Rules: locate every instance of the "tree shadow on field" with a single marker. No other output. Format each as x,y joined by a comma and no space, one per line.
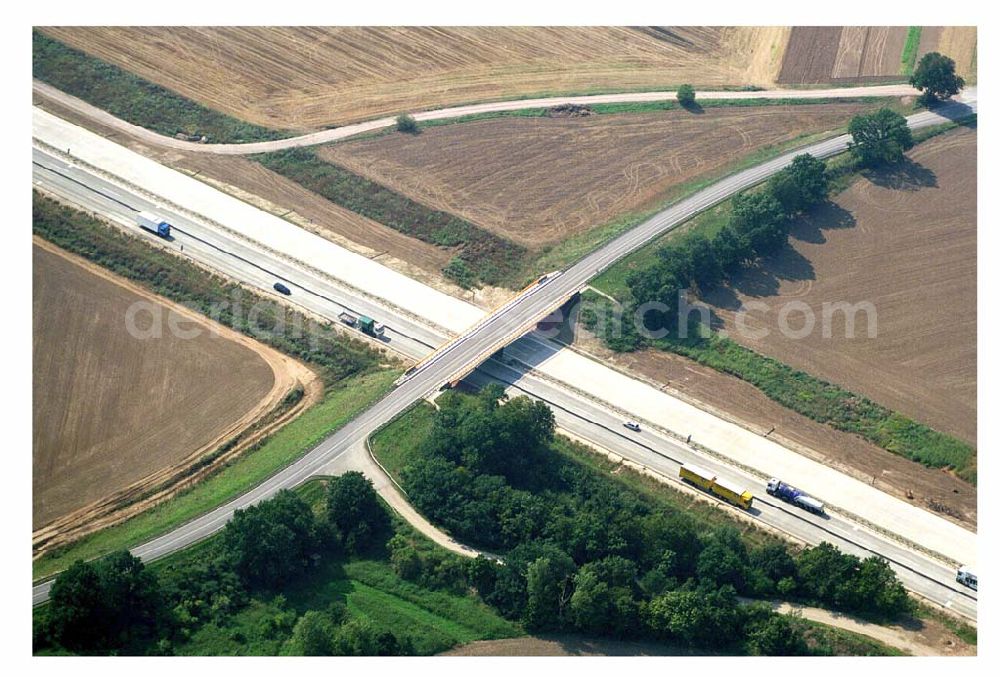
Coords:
907,175
762,280
827,216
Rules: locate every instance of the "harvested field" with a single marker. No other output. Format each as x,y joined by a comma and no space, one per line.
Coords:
860,54
958,42
905,241
734,399
538,181
310,78
110,410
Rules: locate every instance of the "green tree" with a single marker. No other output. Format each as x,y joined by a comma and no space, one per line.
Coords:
732,249
800,185
776,635
705,619
769,565
724,560
685,95
407,124
875,589
879,138
359,637
603,601
761,220
935,77
313,635
548,582
271,542
354,511
406,561
98,606
824,569
703,263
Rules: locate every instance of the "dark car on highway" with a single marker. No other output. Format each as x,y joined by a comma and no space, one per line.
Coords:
278,287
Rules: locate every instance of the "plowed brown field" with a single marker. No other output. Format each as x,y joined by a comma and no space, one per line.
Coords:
538,181
905,241
830,54
110,410
309,78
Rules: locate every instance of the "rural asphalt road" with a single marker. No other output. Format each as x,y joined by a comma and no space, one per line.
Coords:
920,573
347,131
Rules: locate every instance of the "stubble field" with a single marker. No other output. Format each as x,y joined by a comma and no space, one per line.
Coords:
859,54
539,181
310,78
110,410
904,241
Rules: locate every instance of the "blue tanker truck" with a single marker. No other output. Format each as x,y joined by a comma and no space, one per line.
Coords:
786,492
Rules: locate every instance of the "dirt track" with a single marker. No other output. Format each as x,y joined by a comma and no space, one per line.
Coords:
112,411
538,181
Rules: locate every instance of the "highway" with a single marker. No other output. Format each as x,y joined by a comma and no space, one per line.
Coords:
324,297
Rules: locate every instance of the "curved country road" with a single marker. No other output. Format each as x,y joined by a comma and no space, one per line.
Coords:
338,133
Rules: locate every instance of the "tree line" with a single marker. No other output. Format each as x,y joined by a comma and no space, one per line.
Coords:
581,553
118,605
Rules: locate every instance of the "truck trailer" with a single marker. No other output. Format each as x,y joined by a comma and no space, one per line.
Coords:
725,490
153,224
786,492
366,324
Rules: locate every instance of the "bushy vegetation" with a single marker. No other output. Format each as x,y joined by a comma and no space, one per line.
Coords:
582,552
756,225
407,124
482,256
935,76
134,99
335,356
685,96
279,579
879,138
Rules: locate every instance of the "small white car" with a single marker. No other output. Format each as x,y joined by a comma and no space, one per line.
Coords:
632,425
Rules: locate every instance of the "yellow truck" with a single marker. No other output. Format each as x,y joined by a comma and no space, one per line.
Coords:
708,481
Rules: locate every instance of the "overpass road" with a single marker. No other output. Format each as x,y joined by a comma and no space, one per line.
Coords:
323,297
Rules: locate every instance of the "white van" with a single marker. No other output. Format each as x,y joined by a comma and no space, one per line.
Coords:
967,578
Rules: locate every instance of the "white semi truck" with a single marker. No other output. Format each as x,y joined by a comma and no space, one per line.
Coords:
154,224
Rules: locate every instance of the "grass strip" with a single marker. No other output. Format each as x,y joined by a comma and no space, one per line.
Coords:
908,57
135,100
828,403
492,258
